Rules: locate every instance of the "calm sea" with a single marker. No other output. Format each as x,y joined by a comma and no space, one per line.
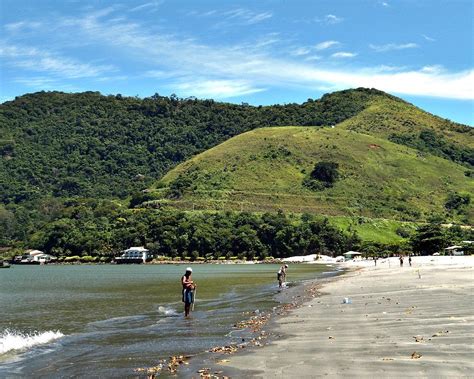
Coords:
107,320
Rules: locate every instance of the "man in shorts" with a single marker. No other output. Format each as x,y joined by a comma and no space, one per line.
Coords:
188,290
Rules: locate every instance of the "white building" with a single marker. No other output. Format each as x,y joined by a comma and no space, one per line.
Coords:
136,254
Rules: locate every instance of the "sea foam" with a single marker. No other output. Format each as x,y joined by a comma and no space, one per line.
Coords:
167,311
13,340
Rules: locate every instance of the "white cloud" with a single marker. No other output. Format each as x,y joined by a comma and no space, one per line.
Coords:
242,16
389,68
219,89
326,44
343,54
434,69
384,4
247,15
33,59
301,51
22,25
313,58
393,46
197,69
247,70
150,6
332,19
35,81
428,38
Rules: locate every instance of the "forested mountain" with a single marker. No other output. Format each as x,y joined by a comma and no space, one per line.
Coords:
69,162
61,145
87,144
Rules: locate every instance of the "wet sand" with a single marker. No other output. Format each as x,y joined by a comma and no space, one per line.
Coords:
396,324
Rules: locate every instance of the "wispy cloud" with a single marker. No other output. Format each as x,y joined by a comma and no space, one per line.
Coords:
393,46
150,6
384,4
313,58
344,54
247,70
326,45
428,38
192,67
219,89
46,83
33,59
247,15
35,81
22,25
330,19
242,16
301,51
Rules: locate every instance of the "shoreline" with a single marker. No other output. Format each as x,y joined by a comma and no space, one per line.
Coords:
398,321
259,328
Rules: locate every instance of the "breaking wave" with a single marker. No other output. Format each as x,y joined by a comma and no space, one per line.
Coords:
12,340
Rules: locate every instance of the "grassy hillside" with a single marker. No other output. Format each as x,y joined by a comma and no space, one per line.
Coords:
263,170
406,124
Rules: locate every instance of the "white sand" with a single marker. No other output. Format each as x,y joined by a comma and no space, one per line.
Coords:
373,335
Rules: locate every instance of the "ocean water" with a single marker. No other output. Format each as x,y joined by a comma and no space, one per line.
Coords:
107,320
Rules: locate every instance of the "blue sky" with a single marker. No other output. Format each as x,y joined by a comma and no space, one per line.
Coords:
260,52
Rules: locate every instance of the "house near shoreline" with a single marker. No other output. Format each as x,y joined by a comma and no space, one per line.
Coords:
136,254
454,250
352,255
34,257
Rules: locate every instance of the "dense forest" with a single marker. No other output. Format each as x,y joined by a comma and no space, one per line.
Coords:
93,231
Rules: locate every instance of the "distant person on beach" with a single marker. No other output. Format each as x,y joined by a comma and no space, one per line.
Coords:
401,261
375,260
409,260
281,275
188,290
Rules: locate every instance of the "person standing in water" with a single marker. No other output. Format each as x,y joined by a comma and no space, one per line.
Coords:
281,275
188,290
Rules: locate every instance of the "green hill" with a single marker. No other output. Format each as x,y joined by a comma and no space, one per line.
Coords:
264,170
61,151
86,144
54,144
408,125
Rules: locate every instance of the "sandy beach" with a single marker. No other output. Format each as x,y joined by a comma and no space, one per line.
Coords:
383,321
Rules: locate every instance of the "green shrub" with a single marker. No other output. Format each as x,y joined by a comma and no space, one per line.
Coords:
88,259
74,258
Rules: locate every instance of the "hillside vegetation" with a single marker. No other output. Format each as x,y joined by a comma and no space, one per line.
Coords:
82,159
404,124
86,144
264,170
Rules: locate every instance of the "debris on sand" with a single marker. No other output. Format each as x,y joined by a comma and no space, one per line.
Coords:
255,323
225,349
172,366
416,355
205,373
440,333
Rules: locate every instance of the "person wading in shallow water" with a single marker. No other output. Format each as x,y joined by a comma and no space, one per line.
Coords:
281,275
188,290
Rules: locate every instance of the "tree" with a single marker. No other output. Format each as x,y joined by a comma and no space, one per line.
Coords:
456,201
429,239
